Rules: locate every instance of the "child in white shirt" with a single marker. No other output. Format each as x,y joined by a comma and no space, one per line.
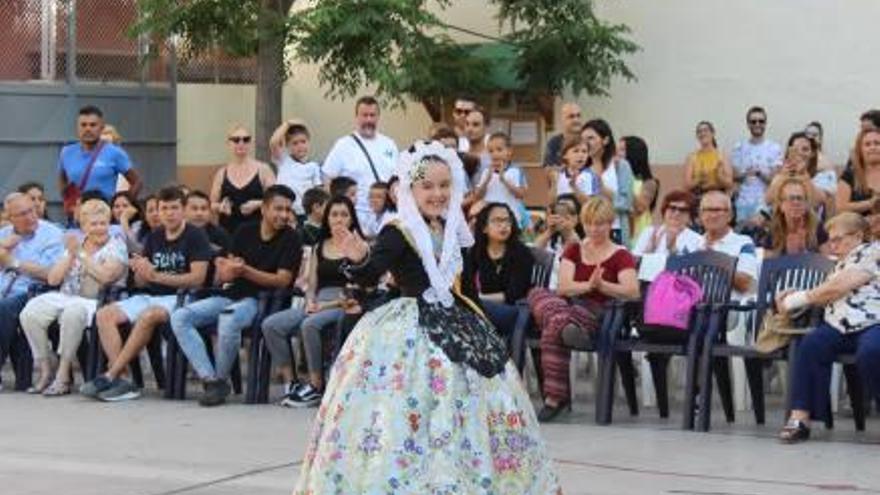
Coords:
380,210
289,149
574,177
503,182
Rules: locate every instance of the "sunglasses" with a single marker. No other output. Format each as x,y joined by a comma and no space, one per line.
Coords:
757,121
461,111
240,139
678,209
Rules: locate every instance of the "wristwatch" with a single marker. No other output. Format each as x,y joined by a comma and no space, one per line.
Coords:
15,264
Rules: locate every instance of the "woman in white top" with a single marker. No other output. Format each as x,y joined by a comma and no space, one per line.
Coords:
574,177
672,236
289,150
850,297
88,264
616,175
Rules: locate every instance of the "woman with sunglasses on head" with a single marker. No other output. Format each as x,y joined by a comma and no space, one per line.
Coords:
672,236
237,190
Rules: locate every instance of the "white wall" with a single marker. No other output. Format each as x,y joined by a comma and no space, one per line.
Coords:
802,60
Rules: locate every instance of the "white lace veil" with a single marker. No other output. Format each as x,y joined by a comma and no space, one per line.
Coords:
410,168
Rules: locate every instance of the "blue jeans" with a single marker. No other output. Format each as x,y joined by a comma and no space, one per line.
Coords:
12,342
503,316
816,354
231,316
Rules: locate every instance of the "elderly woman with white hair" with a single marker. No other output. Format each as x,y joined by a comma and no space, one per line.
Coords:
89,263
851,299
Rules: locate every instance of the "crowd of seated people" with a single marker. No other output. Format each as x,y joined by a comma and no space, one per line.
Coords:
254,232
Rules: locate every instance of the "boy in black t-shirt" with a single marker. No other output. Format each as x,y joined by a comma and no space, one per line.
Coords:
264,255
313,201
175,256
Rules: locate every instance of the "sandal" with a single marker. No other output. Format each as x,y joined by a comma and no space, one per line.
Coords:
39,388
795,431
57,389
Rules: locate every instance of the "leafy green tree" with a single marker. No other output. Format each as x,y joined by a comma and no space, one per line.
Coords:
400,47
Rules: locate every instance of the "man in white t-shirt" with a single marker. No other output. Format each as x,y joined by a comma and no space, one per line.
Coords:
755,161
715,215
463,106
366,156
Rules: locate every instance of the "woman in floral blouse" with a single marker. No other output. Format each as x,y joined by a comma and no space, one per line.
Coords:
851,299
88,264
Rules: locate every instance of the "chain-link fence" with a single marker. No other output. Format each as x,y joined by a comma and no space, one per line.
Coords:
214,67
84,40
89,40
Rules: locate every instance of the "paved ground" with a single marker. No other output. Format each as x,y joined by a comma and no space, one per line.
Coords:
73,446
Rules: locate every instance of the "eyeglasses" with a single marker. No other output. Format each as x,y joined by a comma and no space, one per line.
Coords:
714,210
500,222
757,121
240,139
461,111
795,198
678,209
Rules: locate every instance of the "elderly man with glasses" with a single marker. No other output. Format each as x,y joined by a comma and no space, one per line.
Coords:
28,249
715,215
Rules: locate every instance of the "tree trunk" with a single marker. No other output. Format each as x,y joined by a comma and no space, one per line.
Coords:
270,75
433,108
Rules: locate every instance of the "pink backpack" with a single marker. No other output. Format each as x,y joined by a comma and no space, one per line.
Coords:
670,299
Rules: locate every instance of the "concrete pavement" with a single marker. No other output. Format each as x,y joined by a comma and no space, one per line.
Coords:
151,446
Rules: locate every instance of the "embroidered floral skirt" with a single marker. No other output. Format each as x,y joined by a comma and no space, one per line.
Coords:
399,417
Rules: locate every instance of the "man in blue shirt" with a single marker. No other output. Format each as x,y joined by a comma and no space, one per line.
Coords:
112,161
28,249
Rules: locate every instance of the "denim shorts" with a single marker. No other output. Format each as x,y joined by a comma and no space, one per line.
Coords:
137,304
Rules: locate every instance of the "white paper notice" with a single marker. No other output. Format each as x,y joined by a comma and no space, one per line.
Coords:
524,133
651,266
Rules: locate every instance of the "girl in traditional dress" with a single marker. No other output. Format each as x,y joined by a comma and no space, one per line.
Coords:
422,398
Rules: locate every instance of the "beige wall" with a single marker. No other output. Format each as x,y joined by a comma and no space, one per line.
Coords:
701,59
803,60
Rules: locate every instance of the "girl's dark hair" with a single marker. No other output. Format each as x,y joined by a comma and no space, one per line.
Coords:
481,239
601,127
133,202
637,156
142,207
391,202
325,221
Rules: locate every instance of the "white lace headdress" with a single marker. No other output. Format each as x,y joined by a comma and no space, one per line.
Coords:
411,168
